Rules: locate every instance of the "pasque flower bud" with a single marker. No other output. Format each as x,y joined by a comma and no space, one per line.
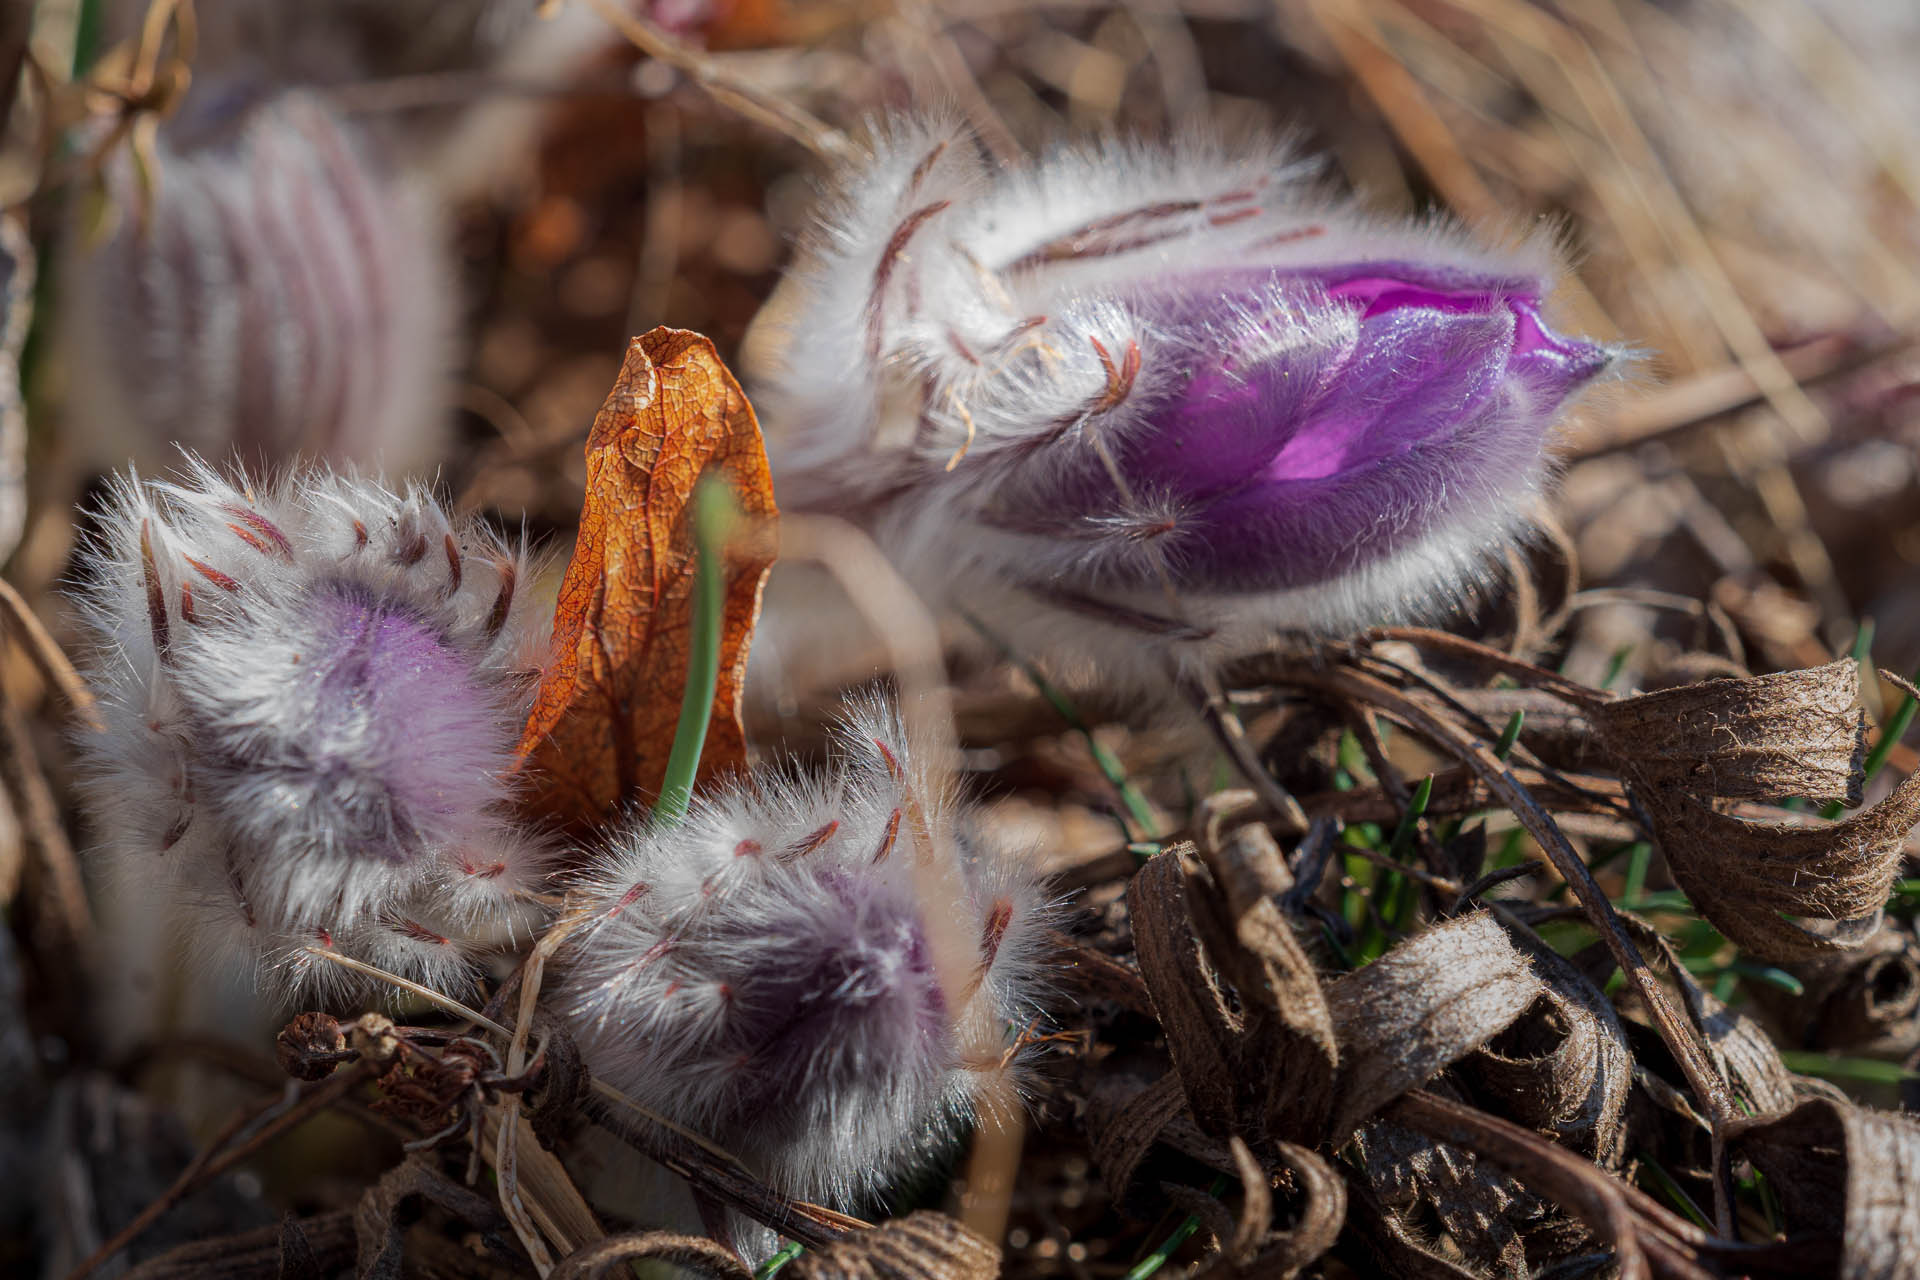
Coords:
822,975
273,293
311,694
1136,391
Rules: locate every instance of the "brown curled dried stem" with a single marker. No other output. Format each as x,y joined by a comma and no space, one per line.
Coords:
615,1254
1687,1051
1647,1238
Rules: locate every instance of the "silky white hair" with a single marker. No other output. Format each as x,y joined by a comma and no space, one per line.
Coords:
827,975
955,333
311,690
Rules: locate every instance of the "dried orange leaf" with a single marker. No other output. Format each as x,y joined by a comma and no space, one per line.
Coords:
603,721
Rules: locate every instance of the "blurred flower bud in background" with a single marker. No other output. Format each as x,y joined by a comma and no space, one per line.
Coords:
1131,401
273,293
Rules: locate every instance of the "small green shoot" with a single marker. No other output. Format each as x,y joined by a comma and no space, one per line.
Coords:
1809,1062
1152,1263
1639,857
1509,735
777,1261
1674,1191
1403,834
1616,664
713,513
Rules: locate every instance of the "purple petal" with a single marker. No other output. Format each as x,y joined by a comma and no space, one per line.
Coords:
1300,448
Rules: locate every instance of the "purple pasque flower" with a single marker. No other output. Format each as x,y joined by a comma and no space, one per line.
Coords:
1058,392
311,693
823,975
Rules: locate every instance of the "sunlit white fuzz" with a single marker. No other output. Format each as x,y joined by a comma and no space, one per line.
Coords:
826,976
270,290
312,691
1135,392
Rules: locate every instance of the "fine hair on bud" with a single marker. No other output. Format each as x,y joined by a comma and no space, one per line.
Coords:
269,289
1140,403
827,975
312,689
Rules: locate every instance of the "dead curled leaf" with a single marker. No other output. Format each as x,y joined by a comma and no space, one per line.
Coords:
619,1256
1564,1066
1866,1000
604,717
1850,1176
1249,1246
1421,1007
1742,1053
1791,733
1296,1061
379,1220
921,1246
1480,1207
1782,890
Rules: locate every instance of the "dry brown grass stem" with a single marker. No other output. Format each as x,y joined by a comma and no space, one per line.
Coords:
754,103
261,1124
48,657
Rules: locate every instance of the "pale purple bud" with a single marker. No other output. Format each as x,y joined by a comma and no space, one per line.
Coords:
1058,390
312,693
275,294
768,972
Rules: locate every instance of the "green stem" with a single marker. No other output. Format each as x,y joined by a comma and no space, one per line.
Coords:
1181,1234
777,1261
712,514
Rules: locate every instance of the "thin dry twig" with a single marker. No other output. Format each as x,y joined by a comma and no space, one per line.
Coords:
266,1124
754,103
39,815
48,657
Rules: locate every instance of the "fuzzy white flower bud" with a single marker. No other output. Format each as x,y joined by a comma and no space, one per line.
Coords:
1143,403
824,976
312,692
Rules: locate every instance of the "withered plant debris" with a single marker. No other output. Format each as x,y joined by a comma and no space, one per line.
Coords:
1533,957
920,1244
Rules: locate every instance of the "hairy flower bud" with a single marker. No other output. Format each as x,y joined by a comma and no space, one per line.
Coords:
824,976
273,294
1168,392
311,696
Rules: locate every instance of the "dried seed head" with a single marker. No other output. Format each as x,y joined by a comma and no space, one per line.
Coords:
273,292
313,752
770,972
1058,390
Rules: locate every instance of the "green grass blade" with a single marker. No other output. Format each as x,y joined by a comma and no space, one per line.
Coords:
712,514
1109,765
1509,735
1809,1062
1181,1234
